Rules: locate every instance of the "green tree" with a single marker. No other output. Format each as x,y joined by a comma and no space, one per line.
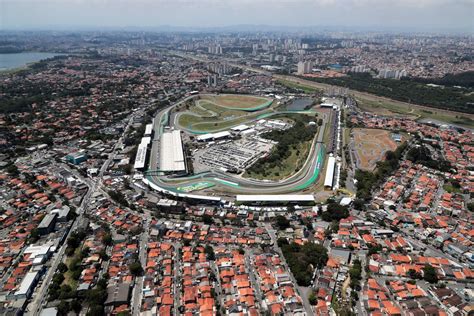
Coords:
63,308
135,268
282,222
335,212
76,306
413,274
62,267
207,219
210,255
429,274
312,298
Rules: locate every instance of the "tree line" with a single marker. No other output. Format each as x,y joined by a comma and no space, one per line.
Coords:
367,180
447,98
287,139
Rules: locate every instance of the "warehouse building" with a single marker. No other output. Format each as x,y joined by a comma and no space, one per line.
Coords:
47,224
329,179
27,285
171,153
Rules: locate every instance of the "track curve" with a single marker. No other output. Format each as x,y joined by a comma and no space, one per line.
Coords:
299,181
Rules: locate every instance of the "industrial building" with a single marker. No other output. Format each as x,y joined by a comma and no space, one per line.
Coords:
47,224
38,254
171,152
63,214
27,285
329,179
118,294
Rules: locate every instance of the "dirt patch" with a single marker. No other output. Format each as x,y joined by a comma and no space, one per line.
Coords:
370,146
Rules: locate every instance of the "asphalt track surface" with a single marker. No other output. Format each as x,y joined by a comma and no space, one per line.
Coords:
299,181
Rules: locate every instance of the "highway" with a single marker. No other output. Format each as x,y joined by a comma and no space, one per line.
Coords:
301,180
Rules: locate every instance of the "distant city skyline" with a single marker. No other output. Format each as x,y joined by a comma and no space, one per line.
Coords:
404,15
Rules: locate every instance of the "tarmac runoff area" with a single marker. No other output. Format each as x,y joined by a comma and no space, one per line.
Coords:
299,181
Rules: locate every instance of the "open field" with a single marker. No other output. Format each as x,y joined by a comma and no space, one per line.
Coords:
238,102
370,146
386,106
294,85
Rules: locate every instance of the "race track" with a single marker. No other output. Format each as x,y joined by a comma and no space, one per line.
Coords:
234,184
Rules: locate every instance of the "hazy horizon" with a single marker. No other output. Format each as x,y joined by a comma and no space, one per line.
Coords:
404,15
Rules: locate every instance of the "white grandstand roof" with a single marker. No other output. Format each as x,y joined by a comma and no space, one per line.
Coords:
328,181
214,135
240,128
272,197
141,156
171,153
248,131
146,140
148,129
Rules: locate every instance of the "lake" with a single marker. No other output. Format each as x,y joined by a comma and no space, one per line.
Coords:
300,104
16,60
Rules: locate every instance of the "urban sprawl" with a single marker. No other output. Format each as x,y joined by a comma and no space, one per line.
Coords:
148,173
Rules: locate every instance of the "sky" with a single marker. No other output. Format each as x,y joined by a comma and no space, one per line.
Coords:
416,15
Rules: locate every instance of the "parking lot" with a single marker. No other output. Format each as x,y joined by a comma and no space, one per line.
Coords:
232,156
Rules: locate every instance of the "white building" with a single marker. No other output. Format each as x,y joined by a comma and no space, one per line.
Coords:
171,152
329,179
304,67
148,129
27,285
140,157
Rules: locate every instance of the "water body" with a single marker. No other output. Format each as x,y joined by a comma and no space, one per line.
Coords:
300,104
16,60
335,66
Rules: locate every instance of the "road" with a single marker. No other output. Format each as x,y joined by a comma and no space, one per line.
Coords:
253,279
301,291
177,279
36,305
40,298
138,288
